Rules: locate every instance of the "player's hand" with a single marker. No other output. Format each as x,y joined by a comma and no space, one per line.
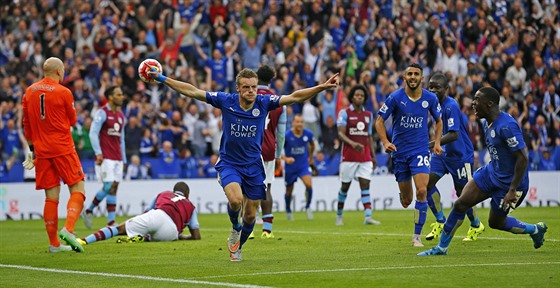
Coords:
290,160
358,147
374,162
510,200
98,159
389,147
29,162
437,149
331,83
156,75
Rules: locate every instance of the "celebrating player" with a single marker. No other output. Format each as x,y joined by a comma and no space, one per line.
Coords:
457,159
240,169
409,149
505,179
298,155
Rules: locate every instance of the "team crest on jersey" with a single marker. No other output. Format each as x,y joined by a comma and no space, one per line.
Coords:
360,125
120,120
450,122
305,138
424,104
366,119
492,133
117,127
512,142
256,112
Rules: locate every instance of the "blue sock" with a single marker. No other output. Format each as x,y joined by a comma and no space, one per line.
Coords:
308,197
288,200
102,234
420,213
111,209
454,221
267,222
473,217
517,227
366,201
234,218
434,202
341,199
246,231
101,194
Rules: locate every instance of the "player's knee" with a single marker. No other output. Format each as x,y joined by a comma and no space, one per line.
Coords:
499,225
460,206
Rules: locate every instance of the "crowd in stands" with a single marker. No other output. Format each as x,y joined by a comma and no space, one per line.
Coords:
511,45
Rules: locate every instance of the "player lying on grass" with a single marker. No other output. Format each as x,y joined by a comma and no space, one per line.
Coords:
164,221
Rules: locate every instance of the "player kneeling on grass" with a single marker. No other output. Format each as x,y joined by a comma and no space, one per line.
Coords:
164,221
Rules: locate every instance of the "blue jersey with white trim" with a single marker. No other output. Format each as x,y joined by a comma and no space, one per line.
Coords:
242,130
410,120
298,147
503,137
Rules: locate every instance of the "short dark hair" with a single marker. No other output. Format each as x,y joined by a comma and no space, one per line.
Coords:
110,91
440,76
416,65
181,187
245,73
265,74
491,93
354,89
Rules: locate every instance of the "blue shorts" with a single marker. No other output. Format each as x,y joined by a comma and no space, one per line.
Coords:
460,170
292,175
497,191
250,178
404,167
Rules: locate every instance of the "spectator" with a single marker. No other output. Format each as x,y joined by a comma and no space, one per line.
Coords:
169,162
137,170
133,137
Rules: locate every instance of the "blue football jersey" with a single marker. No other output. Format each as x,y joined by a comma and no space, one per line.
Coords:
503,137
410,120
298,147
242,130
454,120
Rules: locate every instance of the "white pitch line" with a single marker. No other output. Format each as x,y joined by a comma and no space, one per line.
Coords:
140,277
377,269
520,238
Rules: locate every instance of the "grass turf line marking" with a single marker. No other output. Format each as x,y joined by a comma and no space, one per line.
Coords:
139,277
391,234
377,269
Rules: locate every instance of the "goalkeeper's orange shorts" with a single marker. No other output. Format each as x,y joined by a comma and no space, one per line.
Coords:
49,171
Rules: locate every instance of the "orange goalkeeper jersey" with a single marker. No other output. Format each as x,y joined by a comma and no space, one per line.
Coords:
48,114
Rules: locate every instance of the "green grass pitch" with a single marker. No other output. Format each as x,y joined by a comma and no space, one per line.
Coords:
304,254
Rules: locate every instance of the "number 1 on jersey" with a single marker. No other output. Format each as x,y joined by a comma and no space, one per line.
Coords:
42,99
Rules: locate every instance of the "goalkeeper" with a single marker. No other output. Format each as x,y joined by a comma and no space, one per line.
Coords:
48,113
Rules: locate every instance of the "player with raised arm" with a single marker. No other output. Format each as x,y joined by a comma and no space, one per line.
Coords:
505,179
107,139
273,141
166,218
298,155
457,158
410,107
240,168
355,129
48,114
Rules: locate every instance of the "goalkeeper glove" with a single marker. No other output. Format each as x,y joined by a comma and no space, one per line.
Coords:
29,163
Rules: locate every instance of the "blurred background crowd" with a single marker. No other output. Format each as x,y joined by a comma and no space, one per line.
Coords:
508,44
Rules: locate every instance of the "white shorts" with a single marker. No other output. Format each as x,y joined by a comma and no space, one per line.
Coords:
353,170
155,224
111,170
269,171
